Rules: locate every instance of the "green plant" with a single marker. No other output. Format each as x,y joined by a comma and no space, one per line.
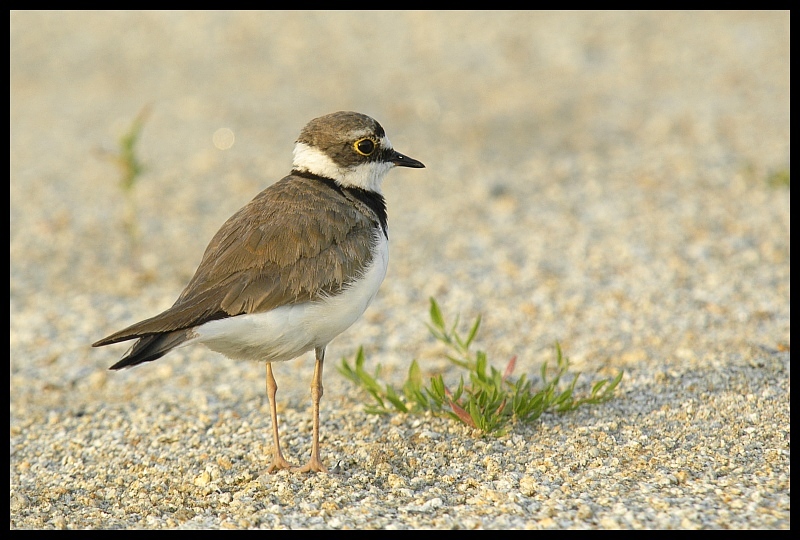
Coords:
130,167
488,400
779,178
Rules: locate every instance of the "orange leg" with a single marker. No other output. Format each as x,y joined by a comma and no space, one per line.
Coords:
314,464
278,461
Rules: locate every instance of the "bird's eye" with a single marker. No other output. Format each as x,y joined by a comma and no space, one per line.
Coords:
364,146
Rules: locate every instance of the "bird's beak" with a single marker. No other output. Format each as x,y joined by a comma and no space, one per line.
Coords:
404,161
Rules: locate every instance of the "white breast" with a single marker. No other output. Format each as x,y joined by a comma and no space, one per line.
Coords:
289,331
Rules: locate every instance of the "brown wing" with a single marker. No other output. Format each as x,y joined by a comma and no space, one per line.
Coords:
296,241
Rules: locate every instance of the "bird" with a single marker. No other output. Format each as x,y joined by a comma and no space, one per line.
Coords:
292,269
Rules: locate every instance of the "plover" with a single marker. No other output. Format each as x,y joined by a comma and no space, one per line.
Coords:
291,270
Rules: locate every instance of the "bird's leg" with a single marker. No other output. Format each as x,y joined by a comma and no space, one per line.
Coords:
314,464
278,461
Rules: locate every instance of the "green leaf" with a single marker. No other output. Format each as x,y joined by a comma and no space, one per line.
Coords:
436,315
395,400
473,332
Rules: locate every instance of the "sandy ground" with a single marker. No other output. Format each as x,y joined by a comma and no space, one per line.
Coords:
610,181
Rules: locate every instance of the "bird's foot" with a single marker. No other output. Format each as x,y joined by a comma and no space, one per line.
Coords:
313,465
278,464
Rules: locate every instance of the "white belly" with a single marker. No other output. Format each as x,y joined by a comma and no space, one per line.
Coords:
289,331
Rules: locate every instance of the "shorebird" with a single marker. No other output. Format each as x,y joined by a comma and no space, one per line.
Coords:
292,269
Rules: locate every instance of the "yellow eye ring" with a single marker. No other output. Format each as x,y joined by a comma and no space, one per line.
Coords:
365,147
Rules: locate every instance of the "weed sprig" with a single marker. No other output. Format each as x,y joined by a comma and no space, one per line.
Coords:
488,400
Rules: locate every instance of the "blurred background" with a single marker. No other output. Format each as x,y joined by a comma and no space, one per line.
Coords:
614,181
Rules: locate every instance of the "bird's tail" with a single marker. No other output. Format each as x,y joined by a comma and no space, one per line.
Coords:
152,347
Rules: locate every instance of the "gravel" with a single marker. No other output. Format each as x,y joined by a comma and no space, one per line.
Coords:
604,180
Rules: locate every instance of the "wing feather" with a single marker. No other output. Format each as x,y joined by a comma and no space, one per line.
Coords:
297,241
